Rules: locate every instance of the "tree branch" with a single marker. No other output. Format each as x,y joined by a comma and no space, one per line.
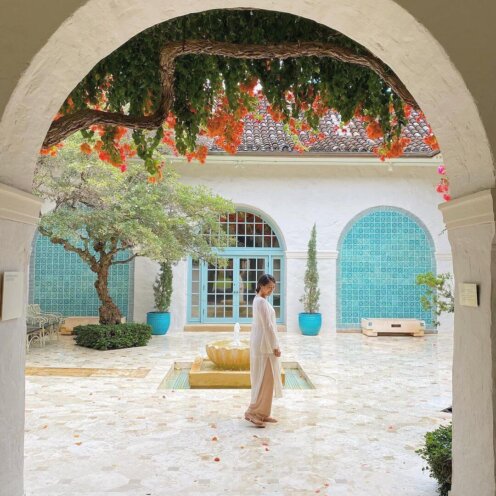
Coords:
289,50
83,119
125,261
85,255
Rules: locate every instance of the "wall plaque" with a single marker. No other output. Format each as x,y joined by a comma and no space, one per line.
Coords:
12,295
468,295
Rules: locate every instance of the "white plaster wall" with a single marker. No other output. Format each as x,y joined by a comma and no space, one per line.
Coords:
145,272
295,196
15,245
472,235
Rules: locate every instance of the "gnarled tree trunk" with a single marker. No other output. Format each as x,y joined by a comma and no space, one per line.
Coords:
109,312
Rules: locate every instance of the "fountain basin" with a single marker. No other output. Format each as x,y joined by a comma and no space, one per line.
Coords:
204,374
226,355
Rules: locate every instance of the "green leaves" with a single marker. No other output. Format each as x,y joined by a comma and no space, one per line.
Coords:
162,289
438,294
98,205
112,337
129,79
164,221
437,452
311,296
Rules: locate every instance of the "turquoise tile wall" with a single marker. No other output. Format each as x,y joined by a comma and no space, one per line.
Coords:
379,257
60,282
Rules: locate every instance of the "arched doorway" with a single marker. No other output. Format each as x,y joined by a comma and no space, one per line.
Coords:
421,55
381,251
223,293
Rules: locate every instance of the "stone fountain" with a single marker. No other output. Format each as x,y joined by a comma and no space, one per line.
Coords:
230,354
227,366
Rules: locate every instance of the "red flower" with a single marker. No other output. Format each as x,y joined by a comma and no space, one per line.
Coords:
105,156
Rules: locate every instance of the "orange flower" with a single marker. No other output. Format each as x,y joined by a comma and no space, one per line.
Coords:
276,115
374,130
105,156
407,109
86,148
120,133
171,120
249,87
431,141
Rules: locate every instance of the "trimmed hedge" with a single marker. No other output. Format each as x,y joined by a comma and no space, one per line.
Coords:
112,337
437,454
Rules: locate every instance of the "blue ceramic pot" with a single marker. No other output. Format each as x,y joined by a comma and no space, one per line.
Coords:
310,323
160,322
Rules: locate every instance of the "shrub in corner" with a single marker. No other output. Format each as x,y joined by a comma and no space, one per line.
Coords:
112,336
437,454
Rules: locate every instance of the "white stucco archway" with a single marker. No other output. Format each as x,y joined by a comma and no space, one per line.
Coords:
424,67
390,32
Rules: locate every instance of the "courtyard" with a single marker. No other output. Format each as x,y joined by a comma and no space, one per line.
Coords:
360,130
118,432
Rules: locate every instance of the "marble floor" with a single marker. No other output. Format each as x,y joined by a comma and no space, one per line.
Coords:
107,434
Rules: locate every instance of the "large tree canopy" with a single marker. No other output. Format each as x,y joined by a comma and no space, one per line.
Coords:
202,74
100,212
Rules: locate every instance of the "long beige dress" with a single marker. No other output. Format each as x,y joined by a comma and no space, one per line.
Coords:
265,368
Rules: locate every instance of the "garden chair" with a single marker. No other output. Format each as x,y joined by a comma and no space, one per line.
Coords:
49,322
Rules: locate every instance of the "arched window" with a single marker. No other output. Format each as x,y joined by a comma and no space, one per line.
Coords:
224,292
380,254
59,281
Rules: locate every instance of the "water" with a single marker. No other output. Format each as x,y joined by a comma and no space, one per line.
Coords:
178,377
237,328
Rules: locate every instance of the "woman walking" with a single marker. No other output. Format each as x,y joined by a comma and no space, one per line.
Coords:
265,369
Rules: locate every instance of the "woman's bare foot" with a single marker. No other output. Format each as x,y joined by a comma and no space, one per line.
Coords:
254,421
270,419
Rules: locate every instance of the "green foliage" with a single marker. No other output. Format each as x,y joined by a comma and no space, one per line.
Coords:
112,337
98,205
162,289
130,76
437,454
438,294
100,211
310,298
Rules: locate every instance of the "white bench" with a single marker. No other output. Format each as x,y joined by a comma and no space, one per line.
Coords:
374,326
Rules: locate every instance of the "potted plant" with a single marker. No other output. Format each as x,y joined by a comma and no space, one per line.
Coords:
162,290
310,320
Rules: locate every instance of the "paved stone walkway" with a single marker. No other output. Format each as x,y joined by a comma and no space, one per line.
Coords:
354,435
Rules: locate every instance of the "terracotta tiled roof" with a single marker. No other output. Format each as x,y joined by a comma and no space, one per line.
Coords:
268,136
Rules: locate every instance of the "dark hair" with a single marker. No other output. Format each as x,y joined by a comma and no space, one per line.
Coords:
264,280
